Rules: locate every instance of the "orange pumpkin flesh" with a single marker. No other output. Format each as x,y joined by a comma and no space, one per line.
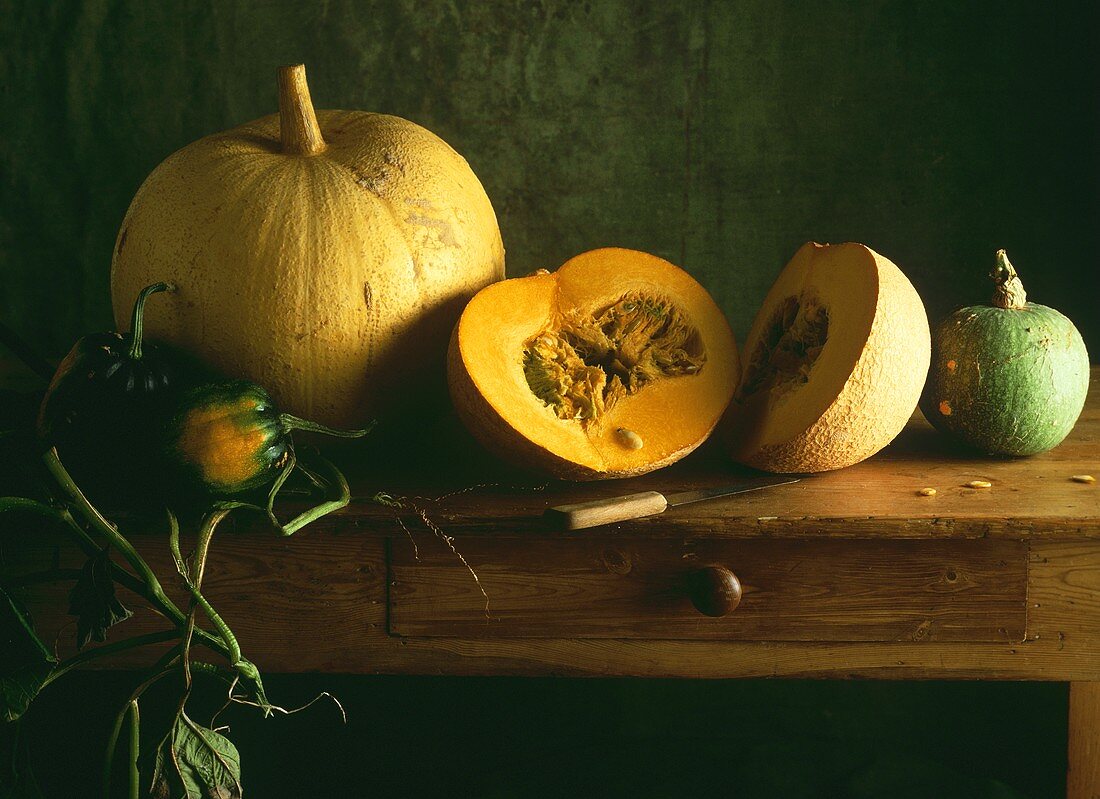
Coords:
617,364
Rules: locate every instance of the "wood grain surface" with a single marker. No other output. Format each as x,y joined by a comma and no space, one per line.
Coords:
319,601
1083,777
831,590
1031,497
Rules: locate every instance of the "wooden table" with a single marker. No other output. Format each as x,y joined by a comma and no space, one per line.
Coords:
848,574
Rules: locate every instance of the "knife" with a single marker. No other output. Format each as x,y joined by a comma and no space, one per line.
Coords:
649,503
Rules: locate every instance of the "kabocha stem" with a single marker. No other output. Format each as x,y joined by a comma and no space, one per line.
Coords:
291,422
298,129
1009,293
137,320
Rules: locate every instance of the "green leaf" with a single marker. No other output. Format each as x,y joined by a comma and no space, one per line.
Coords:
194,762
25,662
93,601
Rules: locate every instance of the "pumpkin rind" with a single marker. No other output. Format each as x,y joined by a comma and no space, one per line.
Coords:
648,428
1006,381
866,381
332,279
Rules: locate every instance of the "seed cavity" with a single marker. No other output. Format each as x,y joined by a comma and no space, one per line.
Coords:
790,345
628,438
585,365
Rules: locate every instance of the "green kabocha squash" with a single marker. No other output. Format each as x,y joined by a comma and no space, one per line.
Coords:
229,438
1009,378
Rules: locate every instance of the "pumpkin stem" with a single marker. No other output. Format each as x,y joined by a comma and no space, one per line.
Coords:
298,129
137,321
1010,292
290,422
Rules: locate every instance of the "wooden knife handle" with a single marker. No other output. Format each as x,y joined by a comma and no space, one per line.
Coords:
605,511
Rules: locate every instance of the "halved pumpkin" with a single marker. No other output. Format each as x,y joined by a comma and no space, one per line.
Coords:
617,364
834,362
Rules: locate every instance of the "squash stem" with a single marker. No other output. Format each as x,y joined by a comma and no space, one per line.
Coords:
87,655
1009,293
135,751
298,129
327,473
146,584
290,422
112,739
137,320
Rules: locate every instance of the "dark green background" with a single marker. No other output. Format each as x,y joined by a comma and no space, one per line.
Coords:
720,135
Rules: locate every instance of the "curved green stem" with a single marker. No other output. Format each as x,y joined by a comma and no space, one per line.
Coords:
209,525
291,422
147,586
135,750
109,649
137,319
116,730
328,475
102,526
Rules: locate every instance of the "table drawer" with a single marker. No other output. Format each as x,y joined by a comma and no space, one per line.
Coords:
791,590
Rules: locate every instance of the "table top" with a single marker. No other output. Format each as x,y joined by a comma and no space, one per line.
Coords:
442,474
1033,496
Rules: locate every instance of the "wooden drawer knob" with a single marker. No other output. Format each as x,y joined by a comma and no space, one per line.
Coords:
714,591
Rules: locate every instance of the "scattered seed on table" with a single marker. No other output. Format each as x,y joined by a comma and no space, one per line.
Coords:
927,492
1083,478
979,484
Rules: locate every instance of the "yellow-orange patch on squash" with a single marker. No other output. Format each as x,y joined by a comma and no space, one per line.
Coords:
213,436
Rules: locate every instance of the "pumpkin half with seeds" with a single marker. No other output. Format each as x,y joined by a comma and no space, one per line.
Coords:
616,364
834,362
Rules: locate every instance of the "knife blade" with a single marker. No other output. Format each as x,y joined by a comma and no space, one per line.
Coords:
581,515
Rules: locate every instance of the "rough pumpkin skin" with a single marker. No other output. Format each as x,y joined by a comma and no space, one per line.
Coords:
861,387
331,276
1006,380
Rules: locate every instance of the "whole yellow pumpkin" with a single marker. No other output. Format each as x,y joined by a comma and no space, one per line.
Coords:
325,255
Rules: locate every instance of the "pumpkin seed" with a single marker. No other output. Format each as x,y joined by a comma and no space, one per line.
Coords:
979,484
629,438
1083,478
927,492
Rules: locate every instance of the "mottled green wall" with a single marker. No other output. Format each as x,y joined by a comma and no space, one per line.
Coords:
718,134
